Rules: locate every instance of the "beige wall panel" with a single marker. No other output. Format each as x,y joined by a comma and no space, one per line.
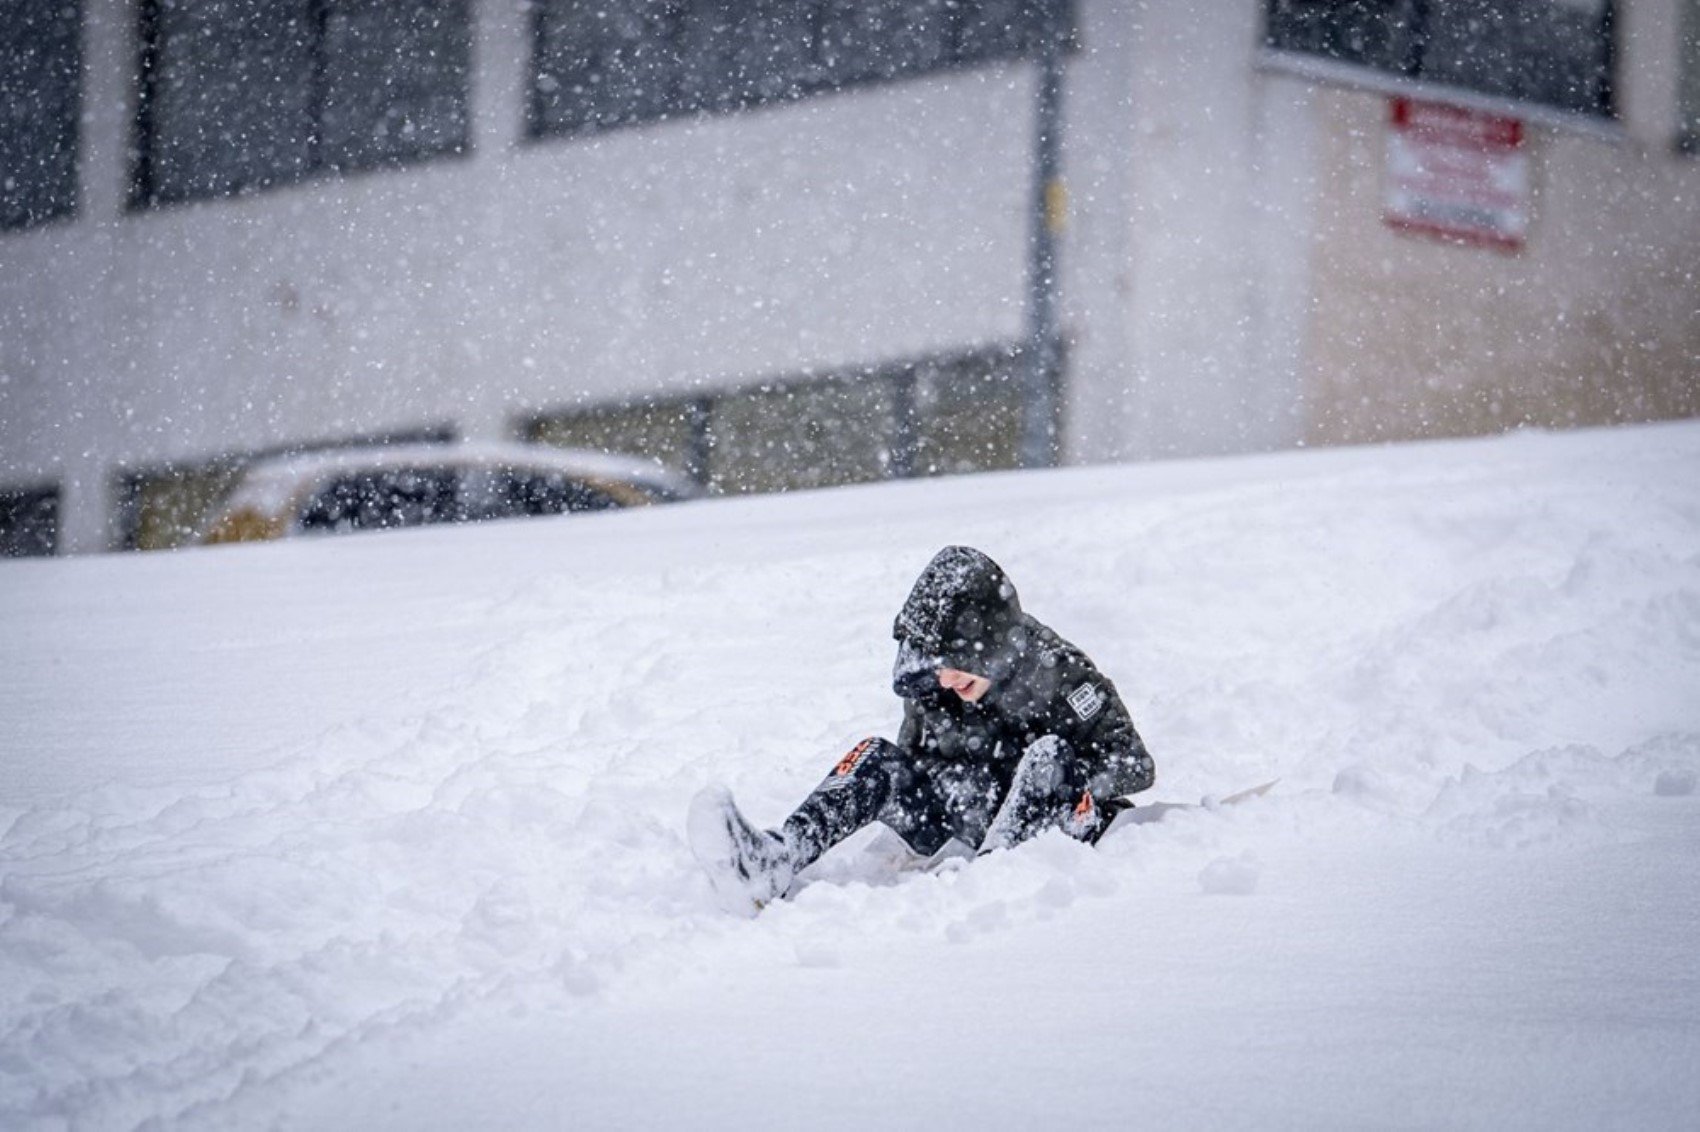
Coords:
1595,321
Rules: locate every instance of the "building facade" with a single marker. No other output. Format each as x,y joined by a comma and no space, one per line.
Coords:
791,244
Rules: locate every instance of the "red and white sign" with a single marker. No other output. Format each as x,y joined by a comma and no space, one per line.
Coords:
1458,174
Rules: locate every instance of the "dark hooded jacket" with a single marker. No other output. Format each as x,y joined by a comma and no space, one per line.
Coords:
963,613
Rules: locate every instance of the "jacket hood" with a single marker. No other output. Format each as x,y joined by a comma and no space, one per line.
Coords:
962,613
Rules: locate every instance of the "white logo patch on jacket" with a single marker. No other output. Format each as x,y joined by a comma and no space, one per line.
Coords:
1087,701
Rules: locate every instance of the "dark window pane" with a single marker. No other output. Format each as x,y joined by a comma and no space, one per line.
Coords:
812,434
395,81
1003,29
602,64
230,97
660,430
241,94
40,98
1554,52
711,36
777,58
877,39
744,52
1376,33
29,523
969,414
403,497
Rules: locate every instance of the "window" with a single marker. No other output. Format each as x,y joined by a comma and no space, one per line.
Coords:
671,432
246,94
600,65
29,523
968,414
40,100
936,416
165,507
1556,53
520,492
804,434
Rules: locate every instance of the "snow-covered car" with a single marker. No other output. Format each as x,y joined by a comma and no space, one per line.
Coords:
377,488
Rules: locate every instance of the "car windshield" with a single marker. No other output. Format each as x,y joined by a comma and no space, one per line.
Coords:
383,498
520,492
375,500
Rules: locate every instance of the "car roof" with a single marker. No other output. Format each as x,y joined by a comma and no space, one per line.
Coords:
273,479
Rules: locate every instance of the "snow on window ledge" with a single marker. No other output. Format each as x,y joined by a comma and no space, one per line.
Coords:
1360,77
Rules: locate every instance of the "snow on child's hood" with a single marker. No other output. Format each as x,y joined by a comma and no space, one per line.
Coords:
959,614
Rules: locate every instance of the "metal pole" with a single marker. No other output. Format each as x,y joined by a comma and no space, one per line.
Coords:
699,440
905,438
1039,385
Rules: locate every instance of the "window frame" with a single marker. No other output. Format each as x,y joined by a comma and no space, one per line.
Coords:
1607,125
1688,79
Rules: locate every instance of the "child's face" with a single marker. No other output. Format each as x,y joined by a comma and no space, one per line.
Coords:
965,684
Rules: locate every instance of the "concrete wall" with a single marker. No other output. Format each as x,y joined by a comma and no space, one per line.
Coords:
881,223
1186,263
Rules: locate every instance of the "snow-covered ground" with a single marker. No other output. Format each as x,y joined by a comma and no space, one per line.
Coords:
386,831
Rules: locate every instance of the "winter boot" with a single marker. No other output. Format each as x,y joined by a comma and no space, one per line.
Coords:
748,867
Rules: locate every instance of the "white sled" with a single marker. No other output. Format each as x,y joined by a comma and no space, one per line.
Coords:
1146,813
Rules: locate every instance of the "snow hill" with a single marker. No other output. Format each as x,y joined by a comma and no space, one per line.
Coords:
386,831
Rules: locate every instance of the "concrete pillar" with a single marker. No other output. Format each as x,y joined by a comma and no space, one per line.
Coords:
86,510
110,62
501,60
501,57
87,519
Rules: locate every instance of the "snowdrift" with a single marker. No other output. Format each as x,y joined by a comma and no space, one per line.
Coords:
387,830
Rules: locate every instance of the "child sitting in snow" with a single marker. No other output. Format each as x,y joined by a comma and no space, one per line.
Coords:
1008,730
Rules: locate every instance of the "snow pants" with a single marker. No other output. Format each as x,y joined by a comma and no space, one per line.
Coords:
985,805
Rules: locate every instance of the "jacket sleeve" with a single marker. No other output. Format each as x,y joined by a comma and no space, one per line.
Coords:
1090,716
1121,764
